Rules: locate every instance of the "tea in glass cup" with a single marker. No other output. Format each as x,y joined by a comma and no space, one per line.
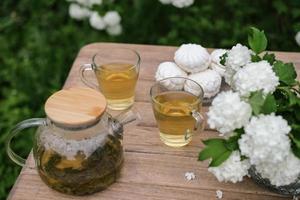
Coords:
176,111
117,73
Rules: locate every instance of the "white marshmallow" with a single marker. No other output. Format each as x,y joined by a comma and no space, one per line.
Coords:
192,58
209,80
167,70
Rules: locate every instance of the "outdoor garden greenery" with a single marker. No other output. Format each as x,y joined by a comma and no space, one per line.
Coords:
39,41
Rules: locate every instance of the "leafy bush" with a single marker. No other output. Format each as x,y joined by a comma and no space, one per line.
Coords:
39,41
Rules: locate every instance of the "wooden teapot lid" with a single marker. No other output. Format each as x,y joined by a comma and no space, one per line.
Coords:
75,106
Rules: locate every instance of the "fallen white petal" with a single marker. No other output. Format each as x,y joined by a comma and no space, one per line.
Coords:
219,194
190,176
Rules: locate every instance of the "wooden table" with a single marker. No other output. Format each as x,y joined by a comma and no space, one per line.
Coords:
152,170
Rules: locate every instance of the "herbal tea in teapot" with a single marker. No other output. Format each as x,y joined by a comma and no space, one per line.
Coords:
78,166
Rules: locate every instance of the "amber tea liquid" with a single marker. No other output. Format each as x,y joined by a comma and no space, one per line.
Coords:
172,111
117,82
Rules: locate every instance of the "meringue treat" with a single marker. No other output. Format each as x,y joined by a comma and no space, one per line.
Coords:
117,82
192,58
210,81
167,70
177,113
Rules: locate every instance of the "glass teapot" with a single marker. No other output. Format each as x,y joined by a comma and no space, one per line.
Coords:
78,147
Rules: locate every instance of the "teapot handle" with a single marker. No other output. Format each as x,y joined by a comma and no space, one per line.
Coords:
15,131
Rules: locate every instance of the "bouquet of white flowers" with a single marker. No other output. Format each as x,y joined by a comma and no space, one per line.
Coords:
258,119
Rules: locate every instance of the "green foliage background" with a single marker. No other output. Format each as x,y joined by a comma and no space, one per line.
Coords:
39,41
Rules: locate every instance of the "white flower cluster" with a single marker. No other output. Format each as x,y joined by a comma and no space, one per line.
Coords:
192,61
245,76
265,139
297,38
178,3
87,3
228,112
281,173
237,57
110,21
266,144
78,12
255,76
82,9
233,169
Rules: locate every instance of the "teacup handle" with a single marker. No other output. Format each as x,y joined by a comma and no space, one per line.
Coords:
83,69
15,131
199,124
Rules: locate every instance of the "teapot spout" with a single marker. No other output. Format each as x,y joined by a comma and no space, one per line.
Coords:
128,116
122,119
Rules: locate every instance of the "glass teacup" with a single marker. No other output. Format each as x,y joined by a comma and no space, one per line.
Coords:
176,110
116,77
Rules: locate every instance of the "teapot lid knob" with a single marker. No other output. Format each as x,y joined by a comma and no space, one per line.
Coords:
77,106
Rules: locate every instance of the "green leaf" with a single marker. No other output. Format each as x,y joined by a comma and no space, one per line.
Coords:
223,58
256,100
257,40
296,127
295,141
269,105
213,141
239,131
270,57
261,104
286,72
290,95
214,147
296,150
218,161
216,150
232,142
297,112
255,58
